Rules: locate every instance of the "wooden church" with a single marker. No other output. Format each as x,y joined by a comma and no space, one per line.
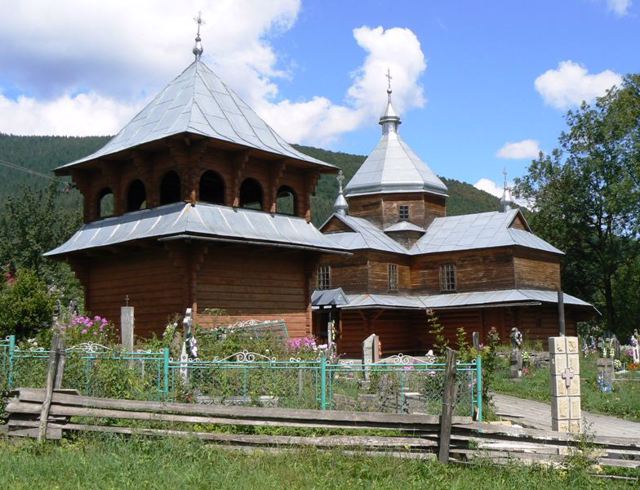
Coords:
197,203
474,271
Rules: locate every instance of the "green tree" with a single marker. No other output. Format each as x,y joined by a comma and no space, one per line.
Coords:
32,222
26,305
586,197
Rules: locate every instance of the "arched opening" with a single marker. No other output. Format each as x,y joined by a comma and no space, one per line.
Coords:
286,201
251,194
211,188
105,203
170,188
136,196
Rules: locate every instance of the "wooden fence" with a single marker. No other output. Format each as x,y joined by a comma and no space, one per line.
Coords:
413,436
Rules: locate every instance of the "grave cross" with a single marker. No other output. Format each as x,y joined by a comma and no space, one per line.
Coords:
567,375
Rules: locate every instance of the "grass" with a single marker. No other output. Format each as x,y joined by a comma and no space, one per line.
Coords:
623,402
113,462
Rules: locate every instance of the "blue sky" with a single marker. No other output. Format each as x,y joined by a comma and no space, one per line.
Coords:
469,77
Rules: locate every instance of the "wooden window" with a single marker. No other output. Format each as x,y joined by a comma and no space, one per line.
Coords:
105,204
211,188
324,277
393,277
136,196
286,201
251,194
404,212
170,188
447,277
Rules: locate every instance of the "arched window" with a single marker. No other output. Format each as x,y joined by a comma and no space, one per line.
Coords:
211,188
170,188
105,203
251,194
286,202
136,196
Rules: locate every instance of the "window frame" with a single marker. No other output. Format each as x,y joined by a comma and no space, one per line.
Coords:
393,279
403,212
448,278
323,277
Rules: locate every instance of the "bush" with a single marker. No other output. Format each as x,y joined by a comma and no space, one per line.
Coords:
27,305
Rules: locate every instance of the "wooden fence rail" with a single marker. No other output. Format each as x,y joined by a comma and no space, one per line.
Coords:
414,436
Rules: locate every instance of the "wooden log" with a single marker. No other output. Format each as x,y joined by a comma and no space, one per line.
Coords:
448,401
22,407
54,355
60,365
273,414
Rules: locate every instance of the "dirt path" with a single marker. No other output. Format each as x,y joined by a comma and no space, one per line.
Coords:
537,414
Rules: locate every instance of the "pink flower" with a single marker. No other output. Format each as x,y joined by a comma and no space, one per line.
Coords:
84,330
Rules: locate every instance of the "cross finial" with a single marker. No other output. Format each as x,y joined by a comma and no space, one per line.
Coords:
504,172
340,179
389,77
197,48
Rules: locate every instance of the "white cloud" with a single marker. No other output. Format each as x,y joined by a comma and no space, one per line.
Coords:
619,7
489,186
81,115
83,59
519,150
571,83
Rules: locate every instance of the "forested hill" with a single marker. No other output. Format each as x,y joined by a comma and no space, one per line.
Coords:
44,153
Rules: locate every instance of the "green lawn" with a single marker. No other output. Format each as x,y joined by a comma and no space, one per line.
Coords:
623,402
150,463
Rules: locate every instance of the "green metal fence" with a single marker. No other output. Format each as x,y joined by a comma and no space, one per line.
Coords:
400,384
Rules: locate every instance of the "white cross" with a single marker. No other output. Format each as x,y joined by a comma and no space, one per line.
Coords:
389,77
567,375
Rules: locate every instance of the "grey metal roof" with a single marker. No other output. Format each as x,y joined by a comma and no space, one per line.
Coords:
198,102
404,226
329,297
365,236
481,230
205,221
454,300
392,166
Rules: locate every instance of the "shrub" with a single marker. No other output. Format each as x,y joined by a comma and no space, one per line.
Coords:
27,305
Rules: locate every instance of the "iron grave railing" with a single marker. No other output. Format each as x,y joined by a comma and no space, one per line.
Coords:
399,384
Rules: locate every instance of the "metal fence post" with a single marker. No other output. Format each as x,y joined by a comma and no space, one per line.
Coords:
12,348
323,382
165,367
479,385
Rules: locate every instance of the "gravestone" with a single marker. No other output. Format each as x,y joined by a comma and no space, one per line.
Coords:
127,327
566,413
635,347
475,339
605,374
370,353
615,347
516,353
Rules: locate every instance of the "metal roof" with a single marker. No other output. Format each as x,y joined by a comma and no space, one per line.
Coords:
198,102
481,230
365,236
459,300
404,226
392,166
203,221
328,297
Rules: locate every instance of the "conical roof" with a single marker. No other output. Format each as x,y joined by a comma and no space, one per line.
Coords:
198,102
393,167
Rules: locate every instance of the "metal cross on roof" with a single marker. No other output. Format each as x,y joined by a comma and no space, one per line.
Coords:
340,179
567,375
197,48
389,77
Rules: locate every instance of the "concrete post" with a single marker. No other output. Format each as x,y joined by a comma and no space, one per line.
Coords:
127,327
566,413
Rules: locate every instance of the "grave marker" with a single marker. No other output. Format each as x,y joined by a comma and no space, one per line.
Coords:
127,326
566,413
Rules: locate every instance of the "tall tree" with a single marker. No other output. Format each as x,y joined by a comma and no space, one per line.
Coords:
32,222
586,198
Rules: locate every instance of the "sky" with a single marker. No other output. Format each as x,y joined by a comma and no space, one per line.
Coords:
481,87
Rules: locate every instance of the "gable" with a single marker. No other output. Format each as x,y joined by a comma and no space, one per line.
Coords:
334,225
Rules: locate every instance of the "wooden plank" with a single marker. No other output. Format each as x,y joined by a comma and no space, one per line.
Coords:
417,421
448,401
54,356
